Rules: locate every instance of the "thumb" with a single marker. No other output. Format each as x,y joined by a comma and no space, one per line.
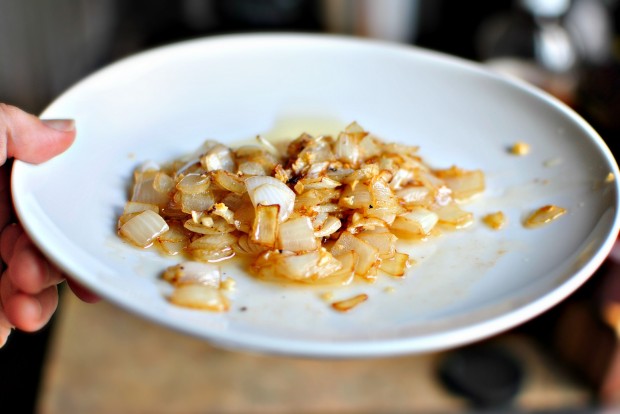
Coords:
29,139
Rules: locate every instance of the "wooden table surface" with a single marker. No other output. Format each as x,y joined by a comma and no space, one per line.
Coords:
105,360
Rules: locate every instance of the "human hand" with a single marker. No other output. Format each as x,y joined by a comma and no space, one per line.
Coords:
28,285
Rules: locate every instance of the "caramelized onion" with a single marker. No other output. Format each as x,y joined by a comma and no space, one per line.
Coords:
325,211
144,228
271,191
200,297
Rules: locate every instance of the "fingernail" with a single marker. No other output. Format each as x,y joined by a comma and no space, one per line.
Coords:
62,125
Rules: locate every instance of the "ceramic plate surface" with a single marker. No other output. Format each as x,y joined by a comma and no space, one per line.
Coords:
465,286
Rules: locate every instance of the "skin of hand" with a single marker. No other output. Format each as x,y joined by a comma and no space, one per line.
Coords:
28,285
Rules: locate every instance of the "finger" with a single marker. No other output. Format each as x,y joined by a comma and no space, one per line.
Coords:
27,138
6,207
5,326
6,289
31,312
82,293
29,271
8,240
4,335
4,322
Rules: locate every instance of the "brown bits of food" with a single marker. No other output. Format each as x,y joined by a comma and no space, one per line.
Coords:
496,221
395,265
228,284
348,304
544,215
520,148
610,178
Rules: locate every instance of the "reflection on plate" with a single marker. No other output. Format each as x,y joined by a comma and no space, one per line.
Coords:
466,286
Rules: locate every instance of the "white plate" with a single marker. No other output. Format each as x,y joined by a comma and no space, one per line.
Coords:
467,285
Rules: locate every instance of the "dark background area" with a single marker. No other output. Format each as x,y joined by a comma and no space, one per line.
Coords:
114,29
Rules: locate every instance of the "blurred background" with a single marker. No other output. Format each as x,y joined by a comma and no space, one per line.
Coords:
97,358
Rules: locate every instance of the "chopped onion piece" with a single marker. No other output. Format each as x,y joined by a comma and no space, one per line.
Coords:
212,247
209,225
454,216
269,191
163,183
261,159
520,148
312,265
144,189
228,181
400,178
316,171
319,183
219,157
356,198
348,304
312,198
415,195
395,265
194,272
149,165
495,220
329,227
246,246
383,241
361,223
244,217
369,147
174,241
347,149
200,297
382,195
252,169
268,145
222,210
368,256
297,235
544,215
337,172
197,202
137,207
228,284
193,184
124,218
318,219
366,171
416,223
265,227
464,184
144,228
341,277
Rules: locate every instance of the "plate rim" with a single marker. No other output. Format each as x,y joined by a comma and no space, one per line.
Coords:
353,349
